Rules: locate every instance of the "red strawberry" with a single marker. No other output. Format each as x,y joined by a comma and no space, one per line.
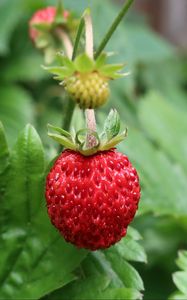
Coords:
91,200
43,16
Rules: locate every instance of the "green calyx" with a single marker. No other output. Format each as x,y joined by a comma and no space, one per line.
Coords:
83,64
85,79
78,141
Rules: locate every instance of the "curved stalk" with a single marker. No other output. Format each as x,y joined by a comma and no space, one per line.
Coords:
66,41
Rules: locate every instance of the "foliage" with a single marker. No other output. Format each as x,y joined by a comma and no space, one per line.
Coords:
108,274
30,248
35,260
180,277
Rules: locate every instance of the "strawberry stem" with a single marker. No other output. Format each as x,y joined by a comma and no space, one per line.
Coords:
89,34
91,124
71,54
70,105
113,27
89,113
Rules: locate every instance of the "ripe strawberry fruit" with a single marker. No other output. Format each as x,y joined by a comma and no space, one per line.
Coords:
92,199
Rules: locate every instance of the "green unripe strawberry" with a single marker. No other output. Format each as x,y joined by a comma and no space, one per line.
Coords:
86,80
89,90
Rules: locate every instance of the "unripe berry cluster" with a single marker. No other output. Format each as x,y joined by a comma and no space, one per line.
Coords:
88,90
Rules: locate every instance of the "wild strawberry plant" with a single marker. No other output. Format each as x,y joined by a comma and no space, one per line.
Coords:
31,243
32,251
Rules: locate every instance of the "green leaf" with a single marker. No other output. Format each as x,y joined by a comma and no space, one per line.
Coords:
106,275
125,271
95,288
26,153
121,293
113,263
112,124
134,234
180,279
83,63
182,260
130,250
31,249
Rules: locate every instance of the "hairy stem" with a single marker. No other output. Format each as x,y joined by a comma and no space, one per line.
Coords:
69,108
72,54
89,34
90,113
91,124
90,119
113,27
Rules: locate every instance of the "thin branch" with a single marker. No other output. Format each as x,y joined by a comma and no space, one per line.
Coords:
113,27
78,36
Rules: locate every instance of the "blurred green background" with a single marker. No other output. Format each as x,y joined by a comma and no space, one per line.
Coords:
152,103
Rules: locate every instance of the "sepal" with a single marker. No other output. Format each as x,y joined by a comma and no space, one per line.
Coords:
113,142
84,64
64,138
79,141
112,125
